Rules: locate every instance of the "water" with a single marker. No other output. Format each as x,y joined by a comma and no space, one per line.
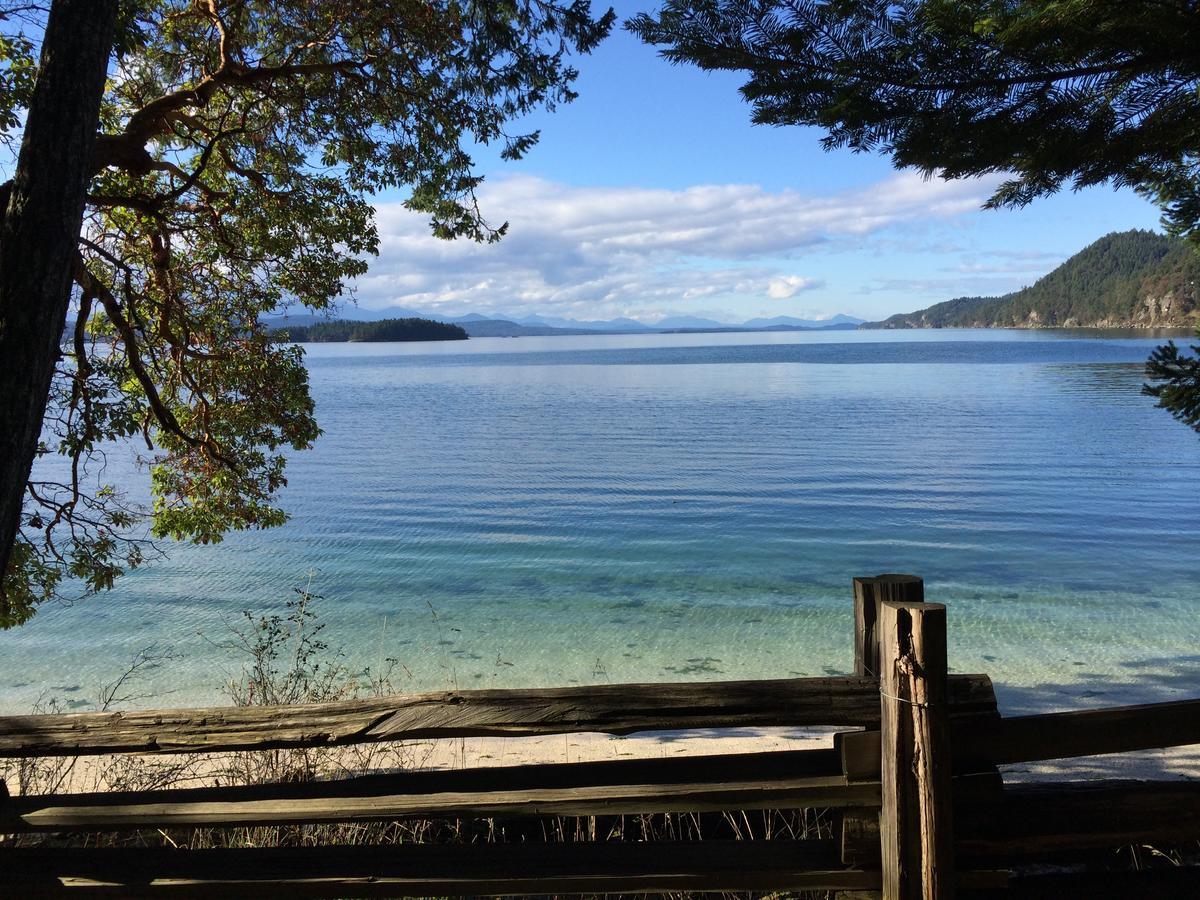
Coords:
566,510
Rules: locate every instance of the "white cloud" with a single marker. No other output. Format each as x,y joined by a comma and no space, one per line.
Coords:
600,252
788,286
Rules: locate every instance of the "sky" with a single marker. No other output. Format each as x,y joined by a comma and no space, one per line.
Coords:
653,195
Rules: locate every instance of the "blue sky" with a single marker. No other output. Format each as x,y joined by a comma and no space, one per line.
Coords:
653,195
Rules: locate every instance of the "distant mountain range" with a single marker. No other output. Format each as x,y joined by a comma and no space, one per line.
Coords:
1128,279
497,325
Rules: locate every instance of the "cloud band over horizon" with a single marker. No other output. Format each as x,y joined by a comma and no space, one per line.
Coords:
725,251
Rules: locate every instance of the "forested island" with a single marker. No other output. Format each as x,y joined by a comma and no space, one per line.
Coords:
1129,279
385,330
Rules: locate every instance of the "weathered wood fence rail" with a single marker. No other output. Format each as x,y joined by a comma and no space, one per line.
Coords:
924,811
607,709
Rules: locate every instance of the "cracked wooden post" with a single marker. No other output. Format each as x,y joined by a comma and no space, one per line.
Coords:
868,594
916,836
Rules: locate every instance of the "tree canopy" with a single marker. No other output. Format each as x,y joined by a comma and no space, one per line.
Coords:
1123,280
1048,92
240,142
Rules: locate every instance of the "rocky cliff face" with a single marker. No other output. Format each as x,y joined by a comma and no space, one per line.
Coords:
1169,308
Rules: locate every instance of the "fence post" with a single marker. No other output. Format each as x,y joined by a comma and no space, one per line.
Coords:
868,594
916,836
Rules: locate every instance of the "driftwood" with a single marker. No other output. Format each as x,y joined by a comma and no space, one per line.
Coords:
611,709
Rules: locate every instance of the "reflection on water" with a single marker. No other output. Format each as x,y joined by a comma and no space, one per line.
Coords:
565,510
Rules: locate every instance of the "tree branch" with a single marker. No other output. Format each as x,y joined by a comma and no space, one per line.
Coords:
166,418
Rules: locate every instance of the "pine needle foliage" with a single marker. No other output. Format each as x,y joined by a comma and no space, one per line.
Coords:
1051,93
1047,93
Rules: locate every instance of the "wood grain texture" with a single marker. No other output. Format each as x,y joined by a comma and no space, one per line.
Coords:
915,821
1062,735
868,594
612,709
1090,732
723,784
41,211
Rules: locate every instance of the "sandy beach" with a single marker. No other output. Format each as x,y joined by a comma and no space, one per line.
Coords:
196,770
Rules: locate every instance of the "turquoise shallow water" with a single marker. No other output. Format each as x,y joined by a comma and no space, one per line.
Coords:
575,509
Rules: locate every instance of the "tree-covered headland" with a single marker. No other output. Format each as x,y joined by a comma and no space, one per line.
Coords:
409,329
1131,279
1049,94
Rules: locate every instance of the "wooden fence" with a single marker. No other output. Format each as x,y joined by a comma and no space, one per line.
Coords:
923,809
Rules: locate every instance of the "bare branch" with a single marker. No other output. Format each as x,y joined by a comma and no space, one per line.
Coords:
166,419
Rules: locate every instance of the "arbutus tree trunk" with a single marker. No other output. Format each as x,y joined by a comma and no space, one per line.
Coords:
43,212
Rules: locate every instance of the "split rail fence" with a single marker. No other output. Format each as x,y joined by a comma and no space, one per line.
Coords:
923,811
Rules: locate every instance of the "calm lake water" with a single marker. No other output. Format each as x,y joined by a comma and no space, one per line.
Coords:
563,510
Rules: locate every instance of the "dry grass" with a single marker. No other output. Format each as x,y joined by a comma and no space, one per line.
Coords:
287,662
